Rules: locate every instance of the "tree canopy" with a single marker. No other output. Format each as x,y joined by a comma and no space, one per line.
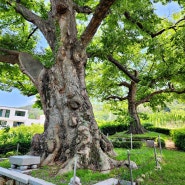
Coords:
139,58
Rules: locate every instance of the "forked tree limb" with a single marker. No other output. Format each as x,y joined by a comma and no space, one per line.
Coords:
98,16
123,69
82,9
125,84
45,26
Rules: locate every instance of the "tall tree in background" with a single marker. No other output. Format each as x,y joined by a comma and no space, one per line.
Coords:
141,62
70,128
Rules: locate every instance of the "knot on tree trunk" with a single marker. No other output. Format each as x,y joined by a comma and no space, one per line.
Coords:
61,9
75,102
79,54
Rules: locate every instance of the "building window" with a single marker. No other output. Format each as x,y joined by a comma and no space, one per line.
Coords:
3,123
4,113
16,123
7,114
20,113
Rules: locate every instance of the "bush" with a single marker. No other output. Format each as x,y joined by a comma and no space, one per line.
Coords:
126,144
19,134
178,136
159,130
11,153
24,147
22,135
112,127
147,125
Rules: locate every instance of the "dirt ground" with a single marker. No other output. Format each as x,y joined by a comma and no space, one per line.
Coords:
170,145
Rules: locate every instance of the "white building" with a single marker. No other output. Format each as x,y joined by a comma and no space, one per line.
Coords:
13,117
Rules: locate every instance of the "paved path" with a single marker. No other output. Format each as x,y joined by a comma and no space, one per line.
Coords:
170,145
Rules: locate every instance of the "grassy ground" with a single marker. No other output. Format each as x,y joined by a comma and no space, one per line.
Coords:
147,135
172,169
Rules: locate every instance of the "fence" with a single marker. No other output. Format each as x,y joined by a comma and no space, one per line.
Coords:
155,159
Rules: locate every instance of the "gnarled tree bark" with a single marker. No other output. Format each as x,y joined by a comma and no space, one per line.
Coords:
70,128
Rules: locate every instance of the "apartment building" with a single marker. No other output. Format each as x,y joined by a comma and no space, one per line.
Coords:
14,117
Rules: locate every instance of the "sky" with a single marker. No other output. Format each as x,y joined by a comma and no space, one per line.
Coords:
16,99
167,10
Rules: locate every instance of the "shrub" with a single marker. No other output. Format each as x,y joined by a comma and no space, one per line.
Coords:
159,130
11,153
22,135
126,144
12,147
179,138
147,125
112,127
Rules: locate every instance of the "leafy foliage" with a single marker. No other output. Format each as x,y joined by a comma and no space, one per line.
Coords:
19,134
22,135
127,144
159,130
179,138
110,128
151,50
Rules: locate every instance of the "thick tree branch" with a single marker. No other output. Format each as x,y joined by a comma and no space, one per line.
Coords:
167,90
11,59
27,63
141,26
99,14
124,84
82,9
30,66
117,98
27,14
122,68
46,26
9,56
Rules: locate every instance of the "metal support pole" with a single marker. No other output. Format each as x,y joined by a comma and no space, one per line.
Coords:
17,148
155,155
130,169
131,146
75,164
159,142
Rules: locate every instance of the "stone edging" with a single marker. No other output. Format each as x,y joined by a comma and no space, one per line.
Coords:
22,178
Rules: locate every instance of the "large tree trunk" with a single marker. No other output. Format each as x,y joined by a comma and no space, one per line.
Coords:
70,127
135,124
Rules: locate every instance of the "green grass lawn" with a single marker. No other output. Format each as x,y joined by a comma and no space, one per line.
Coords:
147,135
171,173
